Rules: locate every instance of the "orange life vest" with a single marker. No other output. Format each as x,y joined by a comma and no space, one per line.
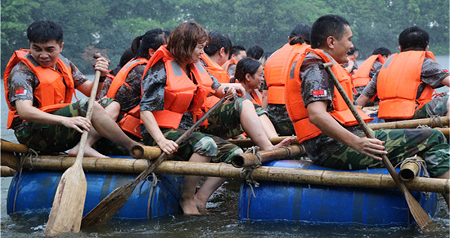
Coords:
277,69
255,96
397,85
215,70
181,93
361,77
55,89
296,109
228,64
131,120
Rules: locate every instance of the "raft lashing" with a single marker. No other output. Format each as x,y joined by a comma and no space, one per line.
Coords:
36,189
272,201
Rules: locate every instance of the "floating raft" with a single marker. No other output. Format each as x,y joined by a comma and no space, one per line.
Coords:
33,192
272,201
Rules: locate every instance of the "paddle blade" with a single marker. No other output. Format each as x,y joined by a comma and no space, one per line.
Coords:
68,204
420,216
109,206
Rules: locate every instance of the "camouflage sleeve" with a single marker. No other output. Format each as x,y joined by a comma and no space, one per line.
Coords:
78,77
153,87
316,85
129,95
21,83
375,68
371,89
433,73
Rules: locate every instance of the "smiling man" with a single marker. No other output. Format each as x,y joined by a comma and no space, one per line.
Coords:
39,85
323,123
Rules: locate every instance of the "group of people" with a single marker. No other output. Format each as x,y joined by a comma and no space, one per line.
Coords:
169,80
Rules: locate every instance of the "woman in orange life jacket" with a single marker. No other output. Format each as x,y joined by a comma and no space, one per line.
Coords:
250,74
217,52
174,88
126,89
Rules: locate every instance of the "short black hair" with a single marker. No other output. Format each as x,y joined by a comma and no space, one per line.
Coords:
299,34
236,49
45,31
217,40
255,52
413,38
382,51
325,26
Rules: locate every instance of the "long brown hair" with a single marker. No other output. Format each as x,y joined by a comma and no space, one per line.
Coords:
184,38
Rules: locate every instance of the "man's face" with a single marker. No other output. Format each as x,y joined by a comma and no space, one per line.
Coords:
242,54
46,54
339,48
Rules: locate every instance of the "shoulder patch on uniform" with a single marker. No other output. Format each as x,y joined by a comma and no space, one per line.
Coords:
21,91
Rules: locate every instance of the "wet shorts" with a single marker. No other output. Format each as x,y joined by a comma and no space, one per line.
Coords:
435,107
55,138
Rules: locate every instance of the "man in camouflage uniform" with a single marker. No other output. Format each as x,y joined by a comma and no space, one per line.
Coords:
57,130
432,75
347,148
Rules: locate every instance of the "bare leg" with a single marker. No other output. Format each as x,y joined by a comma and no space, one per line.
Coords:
446,196
207,189
448,106
103,126
253,127
269,129
187,200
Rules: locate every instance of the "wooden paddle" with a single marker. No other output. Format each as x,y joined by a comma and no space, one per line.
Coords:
112,203
416,210
68,204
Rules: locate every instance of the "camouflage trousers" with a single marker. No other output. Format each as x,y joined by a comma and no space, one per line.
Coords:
225,121
430,144
55,138
280,119
207,145
435,107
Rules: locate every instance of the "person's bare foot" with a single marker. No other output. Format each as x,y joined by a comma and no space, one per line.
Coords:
201,206
189,207
285,142
88,152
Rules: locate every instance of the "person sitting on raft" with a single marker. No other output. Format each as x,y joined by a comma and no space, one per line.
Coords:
39,85
405,84
331,138
174,88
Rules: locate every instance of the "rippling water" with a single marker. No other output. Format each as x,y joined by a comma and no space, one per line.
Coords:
222,220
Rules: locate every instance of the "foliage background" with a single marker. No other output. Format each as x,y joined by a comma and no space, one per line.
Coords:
109,26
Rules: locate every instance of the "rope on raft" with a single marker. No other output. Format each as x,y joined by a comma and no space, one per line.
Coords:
247,171
31,155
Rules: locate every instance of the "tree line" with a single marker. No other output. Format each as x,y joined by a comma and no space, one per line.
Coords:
109,26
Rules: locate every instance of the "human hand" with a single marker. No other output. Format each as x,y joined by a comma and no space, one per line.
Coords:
101,64
77,123
370,147
168,146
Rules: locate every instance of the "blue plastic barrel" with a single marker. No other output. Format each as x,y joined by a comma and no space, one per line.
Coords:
36,189
328,204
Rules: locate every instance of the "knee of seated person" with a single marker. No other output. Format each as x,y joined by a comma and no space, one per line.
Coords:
206,146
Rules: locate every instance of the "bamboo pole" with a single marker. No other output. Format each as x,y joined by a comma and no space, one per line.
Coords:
304,176
409,170
7,171
247,142
410,123
13,147
251,159
10,160
147,152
